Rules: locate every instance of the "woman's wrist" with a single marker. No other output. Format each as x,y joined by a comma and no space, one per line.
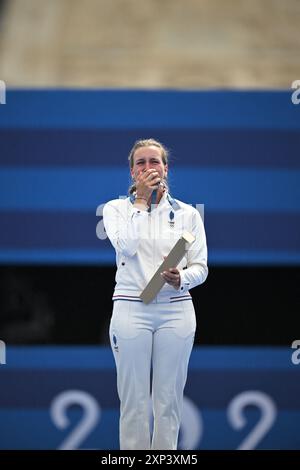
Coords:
141,199
141,202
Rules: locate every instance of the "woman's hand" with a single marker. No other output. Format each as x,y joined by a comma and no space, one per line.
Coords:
146,182
172,277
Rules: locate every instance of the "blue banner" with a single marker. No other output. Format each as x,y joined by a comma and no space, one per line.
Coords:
66,398
64,154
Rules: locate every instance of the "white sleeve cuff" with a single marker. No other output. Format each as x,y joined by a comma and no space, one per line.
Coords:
136,211
184,284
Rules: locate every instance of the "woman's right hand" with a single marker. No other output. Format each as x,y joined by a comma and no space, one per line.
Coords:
146,182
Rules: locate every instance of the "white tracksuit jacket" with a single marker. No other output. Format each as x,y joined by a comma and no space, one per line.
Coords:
142,239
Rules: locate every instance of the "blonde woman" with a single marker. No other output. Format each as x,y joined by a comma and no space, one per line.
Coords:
143,229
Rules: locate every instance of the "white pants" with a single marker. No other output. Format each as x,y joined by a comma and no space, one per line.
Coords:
160,335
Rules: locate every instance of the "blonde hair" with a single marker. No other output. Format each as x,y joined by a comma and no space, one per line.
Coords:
147,143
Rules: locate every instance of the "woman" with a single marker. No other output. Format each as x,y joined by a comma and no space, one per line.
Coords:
159,335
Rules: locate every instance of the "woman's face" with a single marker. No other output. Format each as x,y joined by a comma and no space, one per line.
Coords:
145,158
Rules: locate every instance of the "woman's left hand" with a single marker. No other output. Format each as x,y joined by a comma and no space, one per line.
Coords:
172,277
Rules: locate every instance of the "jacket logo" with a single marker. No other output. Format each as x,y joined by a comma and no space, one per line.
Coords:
171,219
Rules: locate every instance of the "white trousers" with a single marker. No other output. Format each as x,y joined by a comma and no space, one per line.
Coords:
158,336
